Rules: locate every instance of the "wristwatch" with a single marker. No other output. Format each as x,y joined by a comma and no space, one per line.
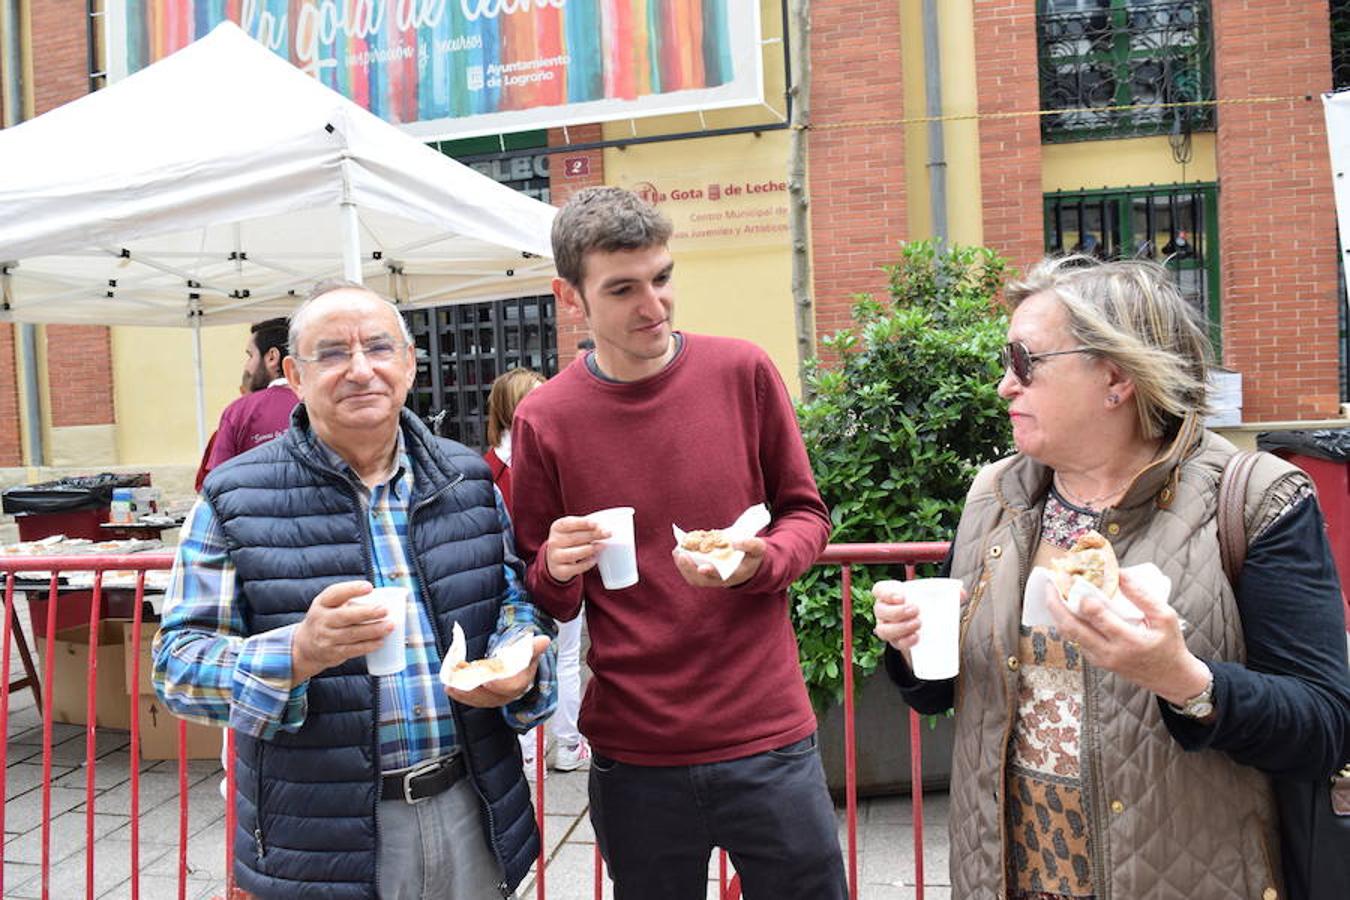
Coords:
1201,706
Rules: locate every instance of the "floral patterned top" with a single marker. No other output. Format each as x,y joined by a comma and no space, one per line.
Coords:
1048,852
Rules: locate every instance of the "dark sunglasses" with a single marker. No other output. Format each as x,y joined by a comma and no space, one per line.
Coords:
1016,358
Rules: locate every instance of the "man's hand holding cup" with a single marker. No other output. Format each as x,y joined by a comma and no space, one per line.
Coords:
333,631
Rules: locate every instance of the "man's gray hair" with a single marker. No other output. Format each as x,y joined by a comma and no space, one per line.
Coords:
607,219
300,318
1130,312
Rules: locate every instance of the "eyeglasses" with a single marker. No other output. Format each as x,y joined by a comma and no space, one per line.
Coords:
1017,359
376,352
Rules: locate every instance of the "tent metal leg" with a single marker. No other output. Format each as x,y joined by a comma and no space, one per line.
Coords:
351,243
201,385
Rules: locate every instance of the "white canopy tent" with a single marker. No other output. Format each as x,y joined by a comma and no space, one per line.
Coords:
217,185
1336,107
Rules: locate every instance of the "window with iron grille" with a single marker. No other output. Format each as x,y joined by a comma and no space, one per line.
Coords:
1177,226
462,348
1340,44
1114,66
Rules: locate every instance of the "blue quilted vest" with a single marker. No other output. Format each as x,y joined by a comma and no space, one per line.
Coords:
306,824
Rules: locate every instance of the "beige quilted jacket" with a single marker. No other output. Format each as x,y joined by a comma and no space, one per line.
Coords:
1164,823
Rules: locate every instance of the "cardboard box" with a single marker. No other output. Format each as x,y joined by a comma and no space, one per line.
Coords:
159,726
148,630
159,733
70,664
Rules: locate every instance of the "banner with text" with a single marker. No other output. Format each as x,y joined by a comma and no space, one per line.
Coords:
720,210
459,68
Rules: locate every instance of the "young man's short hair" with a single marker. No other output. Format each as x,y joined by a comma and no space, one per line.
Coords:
269,334
607,219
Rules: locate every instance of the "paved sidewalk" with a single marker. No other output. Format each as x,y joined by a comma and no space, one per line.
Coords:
885,846
885,839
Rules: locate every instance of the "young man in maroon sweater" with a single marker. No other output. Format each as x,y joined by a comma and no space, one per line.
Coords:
702,732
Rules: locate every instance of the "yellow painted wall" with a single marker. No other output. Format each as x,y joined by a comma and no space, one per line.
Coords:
154,389
742,293
965,217
1131,162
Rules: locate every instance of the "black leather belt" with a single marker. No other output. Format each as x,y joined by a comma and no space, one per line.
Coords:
422,781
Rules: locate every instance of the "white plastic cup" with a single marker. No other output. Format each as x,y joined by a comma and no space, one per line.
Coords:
617,559
391,657
936,655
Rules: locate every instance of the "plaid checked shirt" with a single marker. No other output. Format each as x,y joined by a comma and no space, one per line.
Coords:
208,669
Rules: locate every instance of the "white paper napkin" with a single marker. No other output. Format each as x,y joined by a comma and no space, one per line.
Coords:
512,659
1146,576
748,524
1035,611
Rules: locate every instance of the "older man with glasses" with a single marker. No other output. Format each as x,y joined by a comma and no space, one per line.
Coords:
353,785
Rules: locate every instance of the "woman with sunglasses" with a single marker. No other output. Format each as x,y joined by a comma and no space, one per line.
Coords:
1099,756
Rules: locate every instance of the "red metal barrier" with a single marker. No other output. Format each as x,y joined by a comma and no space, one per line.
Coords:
844,555
847,556
98,565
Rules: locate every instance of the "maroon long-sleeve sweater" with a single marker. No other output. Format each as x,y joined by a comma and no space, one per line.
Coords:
680,675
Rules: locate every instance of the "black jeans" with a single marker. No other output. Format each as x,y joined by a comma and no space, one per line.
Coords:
657,826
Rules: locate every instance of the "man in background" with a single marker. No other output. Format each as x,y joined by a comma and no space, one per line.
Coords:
265,409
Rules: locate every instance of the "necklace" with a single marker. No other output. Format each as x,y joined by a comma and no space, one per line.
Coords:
1091,502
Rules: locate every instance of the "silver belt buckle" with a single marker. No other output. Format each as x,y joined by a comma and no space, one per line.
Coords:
419,769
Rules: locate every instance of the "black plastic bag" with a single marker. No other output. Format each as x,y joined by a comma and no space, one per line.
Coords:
68,494
1329,443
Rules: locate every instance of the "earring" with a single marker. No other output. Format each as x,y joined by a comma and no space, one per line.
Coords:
1112,399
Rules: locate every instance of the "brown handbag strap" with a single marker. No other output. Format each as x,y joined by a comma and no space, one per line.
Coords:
1231,515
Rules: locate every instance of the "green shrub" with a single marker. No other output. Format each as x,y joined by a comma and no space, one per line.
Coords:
897,425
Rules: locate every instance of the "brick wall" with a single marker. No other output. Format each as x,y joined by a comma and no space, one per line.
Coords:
1010,149
11,453
79,357
856,174
79,366
1277,220
564,180
60,52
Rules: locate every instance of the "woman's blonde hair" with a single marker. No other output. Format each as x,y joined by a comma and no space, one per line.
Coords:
505,396
1130,312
